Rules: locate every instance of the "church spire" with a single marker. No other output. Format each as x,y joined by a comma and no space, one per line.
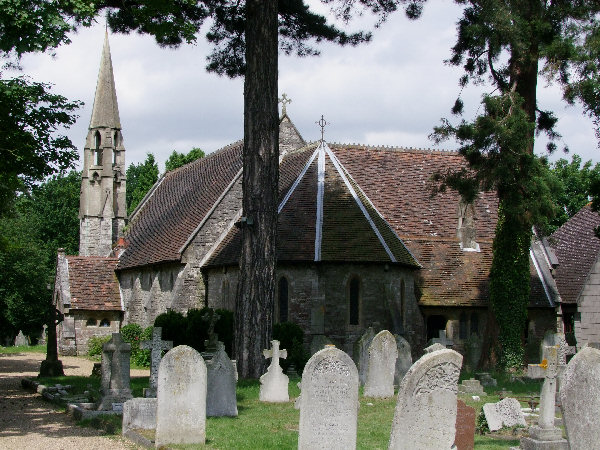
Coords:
105,113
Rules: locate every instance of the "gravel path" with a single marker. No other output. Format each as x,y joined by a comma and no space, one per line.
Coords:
28,422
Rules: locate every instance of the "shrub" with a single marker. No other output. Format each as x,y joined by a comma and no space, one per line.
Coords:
224,328
291,338
95,344
174,327
197,328
134,335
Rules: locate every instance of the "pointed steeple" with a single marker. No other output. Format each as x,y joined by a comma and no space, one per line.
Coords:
105,113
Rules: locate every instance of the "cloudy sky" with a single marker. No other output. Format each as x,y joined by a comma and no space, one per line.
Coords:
391,91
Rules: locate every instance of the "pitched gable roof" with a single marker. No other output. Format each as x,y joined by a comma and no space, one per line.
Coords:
176,206
577,249
93,284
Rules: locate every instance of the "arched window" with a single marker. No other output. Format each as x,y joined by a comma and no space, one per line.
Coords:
97,149
462,326
91,323
282,300
354,300
105,323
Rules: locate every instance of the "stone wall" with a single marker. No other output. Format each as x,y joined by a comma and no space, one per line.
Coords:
587,321
80,325
318,299
95,236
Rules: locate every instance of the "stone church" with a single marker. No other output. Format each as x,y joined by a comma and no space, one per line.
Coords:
361,242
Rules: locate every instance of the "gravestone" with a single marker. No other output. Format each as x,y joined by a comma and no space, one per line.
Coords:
220,397
465,426
319,342
139,414
361,354
404,360
115,388
156,347
434,348
545,435
181,398
274,383
505,413
473,349
329,401
486,379
425,415
381,366
21,340
580,399
44,336
471,386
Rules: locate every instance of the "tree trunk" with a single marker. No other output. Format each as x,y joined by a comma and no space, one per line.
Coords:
254,301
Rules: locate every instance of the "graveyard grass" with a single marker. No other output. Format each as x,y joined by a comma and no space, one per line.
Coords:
275,426
23,349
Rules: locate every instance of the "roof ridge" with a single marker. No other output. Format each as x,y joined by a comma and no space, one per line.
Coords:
396,148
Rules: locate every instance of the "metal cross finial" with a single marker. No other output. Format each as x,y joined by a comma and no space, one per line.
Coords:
284,100
322,123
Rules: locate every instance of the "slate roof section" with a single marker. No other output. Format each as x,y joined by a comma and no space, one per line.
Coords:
176,206
577,248
93,283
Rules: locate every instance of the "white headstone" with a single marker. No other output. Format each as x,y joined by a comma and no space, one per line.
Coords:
115,384
221,397
381,366
139,414
156,347
274,383
361,354
404,360
181,398
580,399
329,401
505,413
425,415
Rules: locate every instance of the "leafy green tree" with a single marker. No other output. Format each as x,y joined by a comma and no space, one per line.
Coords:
140,179
576,181
30,148
177,159
509,44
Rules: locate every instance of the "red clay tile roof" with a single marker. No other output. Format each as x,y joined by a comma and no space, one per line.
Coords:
576,247
93,283
178,204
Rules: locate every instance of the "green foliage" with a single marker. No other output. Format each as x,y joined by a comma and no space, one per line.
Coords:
95,344
481,425
140,179
134,335
291,338
576,183
30,149
193,329
174,327
177,159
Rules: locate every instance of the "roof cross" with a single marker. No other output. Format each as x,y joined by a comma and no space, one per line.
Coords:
322,123
284,100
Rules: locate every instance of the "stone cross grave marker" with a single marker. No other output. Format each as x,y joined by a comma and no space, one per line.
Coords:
157,346
329,401
361,354
580,399
211,343
115,388
545,433
425,414
181,398
404,360
274,383
381,366
221,397
443,340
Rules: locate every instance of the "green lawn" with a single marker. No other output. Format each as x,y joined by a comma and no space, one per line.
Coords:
23,349
275,426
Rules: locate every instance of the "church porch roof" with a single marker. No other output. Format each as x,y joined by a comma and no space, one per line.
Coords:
93,283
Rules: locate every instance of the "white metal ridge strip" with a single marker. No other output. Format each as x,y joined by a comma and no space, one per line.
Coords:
320,193
337,165
297,182
541,277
